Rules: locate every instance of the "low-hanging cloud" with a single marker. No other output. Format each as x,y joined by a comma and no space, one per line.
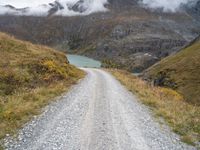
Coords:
167,5
24,3
42,7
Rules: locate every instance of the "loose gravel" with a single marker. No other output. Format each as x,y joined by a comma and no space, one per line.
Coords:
97,114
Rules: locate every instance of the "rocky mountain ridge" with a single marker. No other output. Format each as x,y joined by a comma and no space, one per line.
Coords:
127,36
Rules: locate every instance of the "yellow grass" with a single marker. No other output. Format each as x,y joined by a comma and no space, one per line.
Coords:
30,77
181,69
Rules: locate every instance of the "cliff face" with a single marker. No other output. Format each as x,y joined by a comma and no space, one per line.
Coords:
127,36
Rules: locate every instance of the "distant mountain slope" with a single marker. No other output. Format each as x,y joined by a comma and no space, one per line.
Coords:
180,71
128,36
30,76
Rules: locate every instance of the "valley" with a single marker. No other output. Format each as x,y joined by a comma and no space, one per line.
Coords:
127,36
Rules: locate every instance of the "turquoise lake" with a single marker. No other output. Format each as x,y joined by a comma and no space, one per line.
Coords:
82,61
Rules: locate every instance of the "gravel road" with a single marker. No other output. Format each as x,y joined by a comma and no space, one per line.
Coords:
97,114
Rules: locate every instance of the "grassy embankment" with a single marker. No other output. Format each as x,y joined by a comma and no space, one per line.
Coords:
183,117
30,77
180,72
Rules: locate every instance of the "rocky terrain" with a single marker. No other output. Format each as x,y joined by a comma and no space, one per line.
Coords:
128,35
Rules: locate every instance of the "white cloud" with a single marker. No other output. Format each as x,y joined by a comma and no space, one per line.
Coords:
37,11
37,7
97,5
91,6
166,5
4,10
24,3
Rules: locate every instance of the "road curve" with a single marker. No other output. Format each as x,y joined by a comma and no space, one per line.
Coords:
97,114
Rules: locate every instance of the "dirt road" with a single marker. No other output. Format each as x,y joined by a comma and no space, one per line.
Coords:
97,114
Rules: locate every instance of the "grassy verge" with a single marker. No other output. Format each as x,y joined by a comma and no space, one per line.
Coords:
17,109
184,118
30,77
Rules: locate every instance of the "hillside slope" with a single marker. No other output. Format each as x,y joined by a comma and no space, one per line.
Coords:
180,71
30,76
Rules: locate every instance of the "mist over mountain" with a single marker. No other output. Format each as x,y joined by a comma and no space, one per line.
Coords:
58,7
81,7
168,5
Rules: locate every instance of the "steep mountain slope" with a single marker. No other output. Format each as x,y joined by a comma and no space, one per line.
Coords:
30,76
180,72
194,10
127,36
